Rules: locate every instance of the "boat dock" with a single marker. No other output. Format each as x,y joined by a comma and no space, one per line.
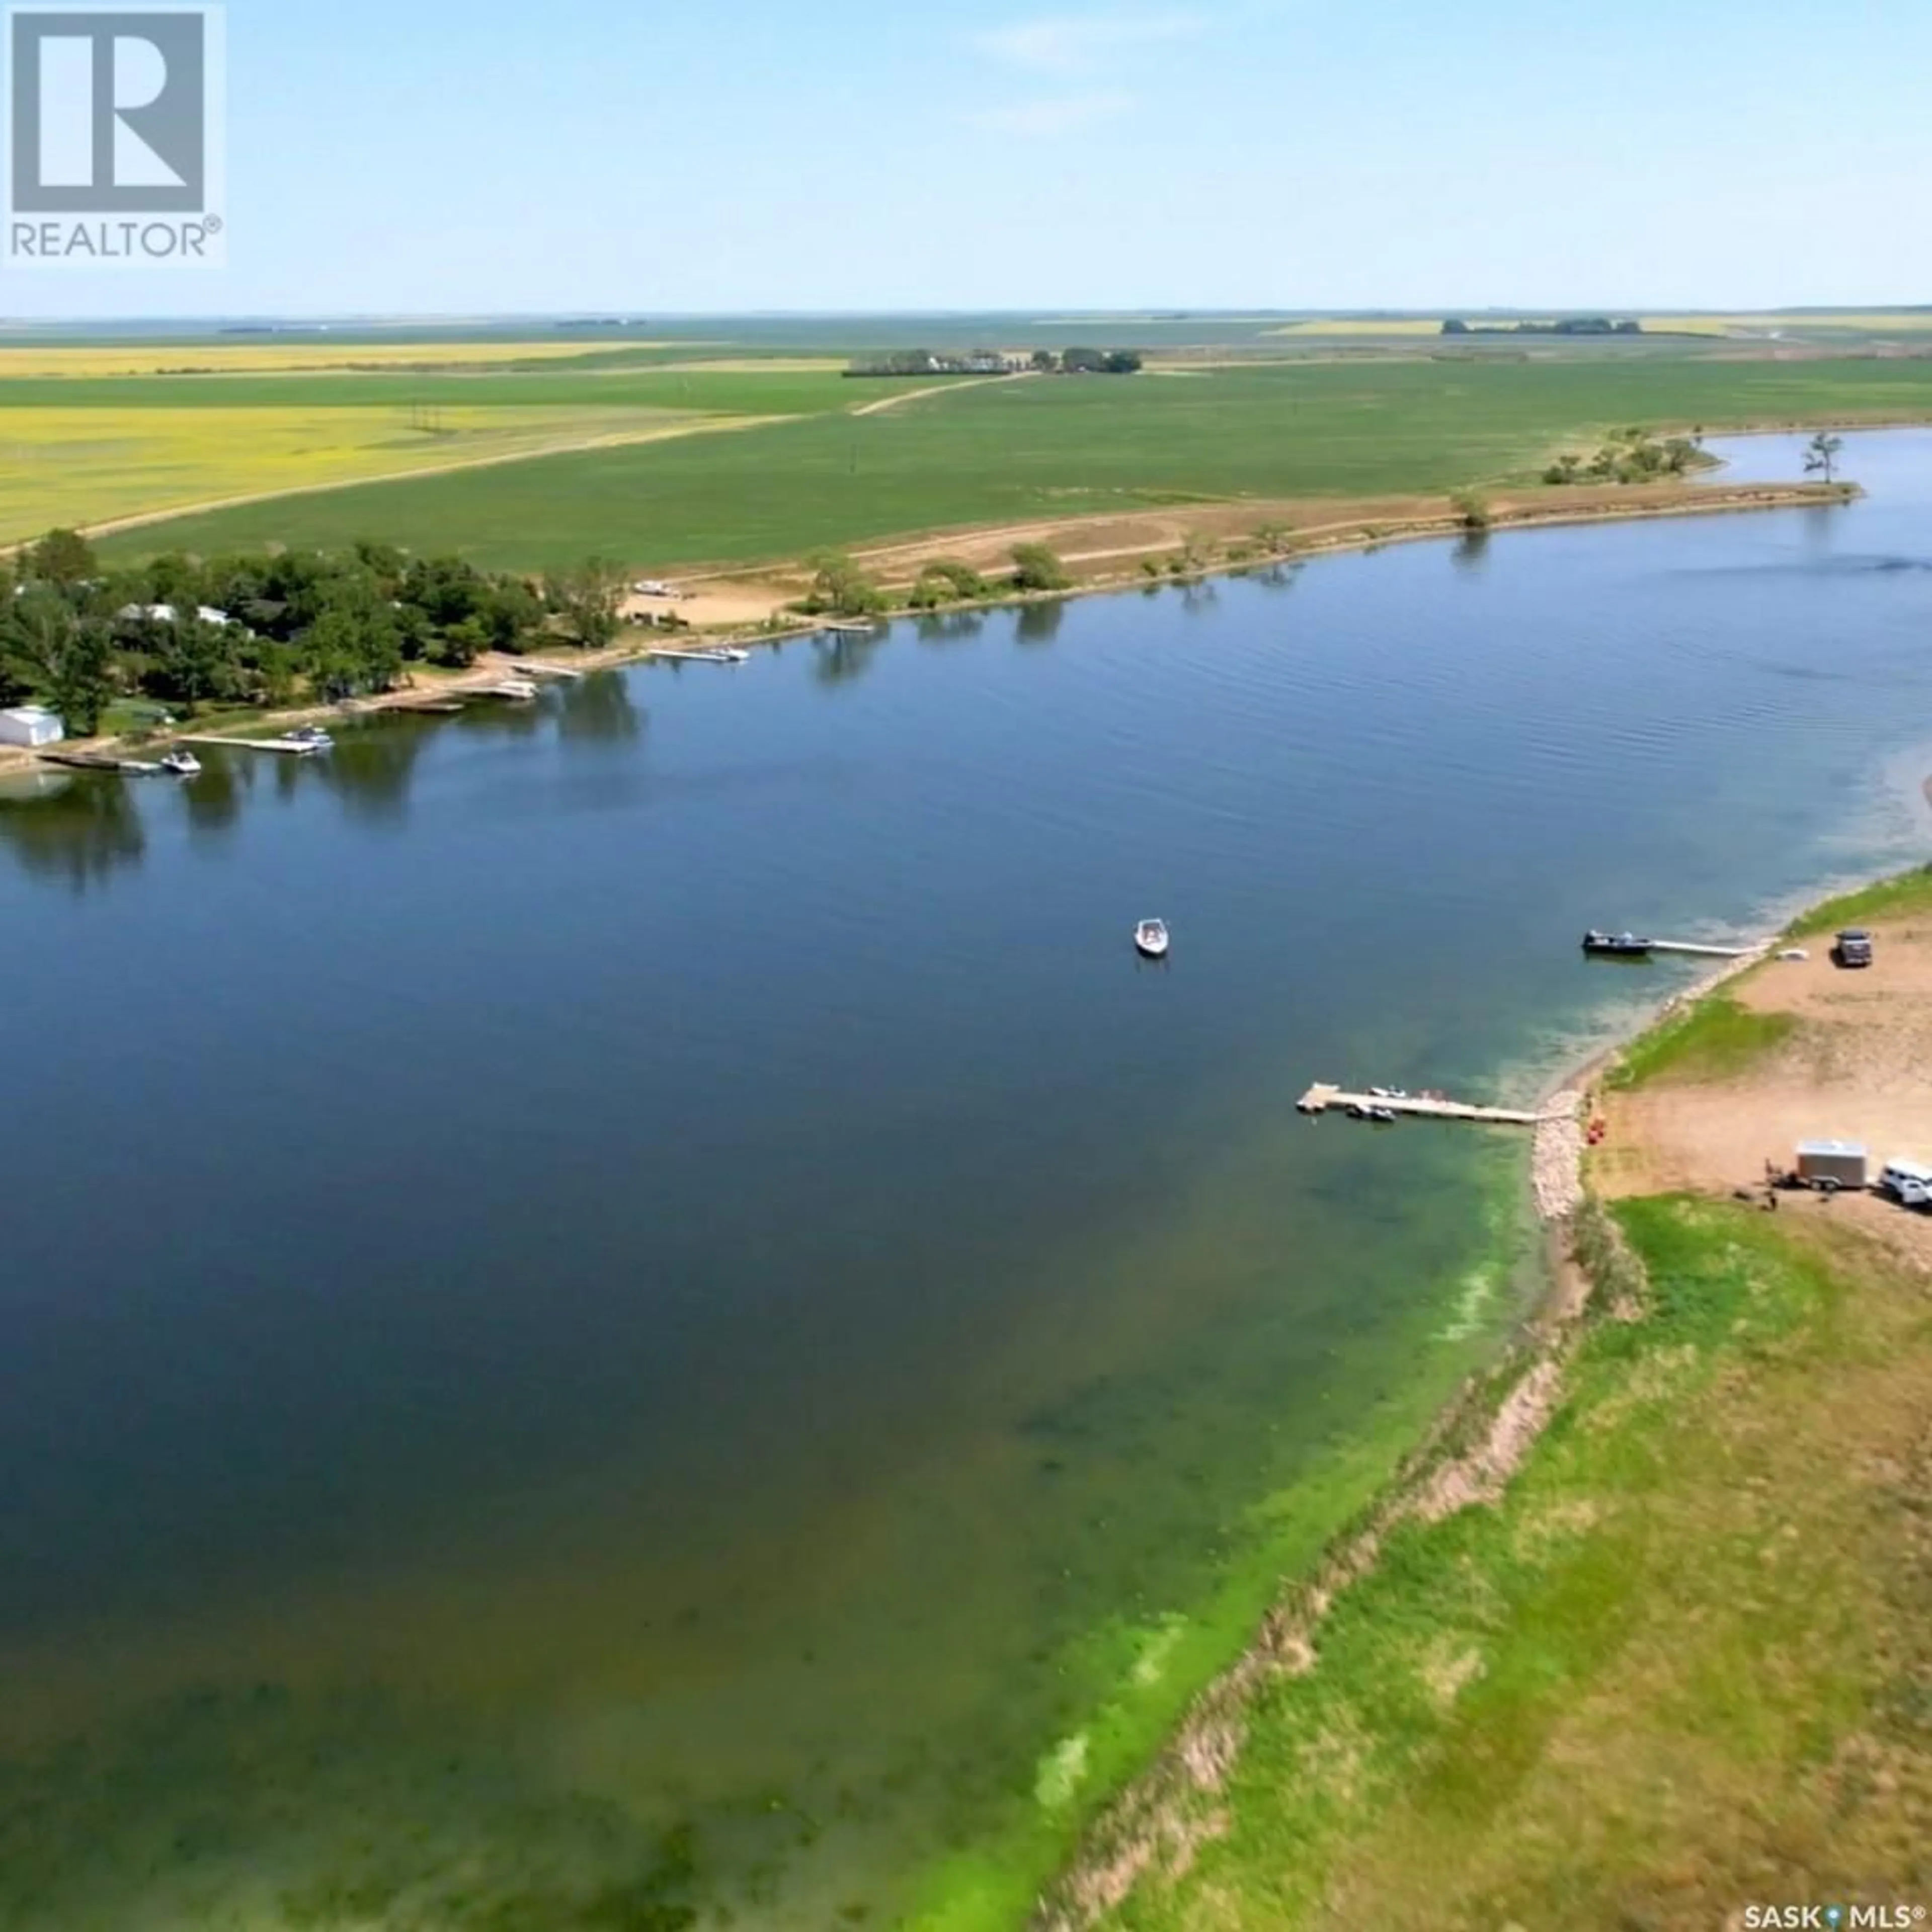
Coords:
1320,1098
1685,946
99,761
287,747
563,671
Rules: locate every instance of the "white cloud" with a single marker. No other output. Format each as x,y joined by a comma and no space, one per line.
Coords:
1080,44
1062,114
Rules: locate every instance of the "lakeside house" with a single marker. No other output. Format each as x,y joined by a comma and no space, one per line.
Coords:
29,727
166,614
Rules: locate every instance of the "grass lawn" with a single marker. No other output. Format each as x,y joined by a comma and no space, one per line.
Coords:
1890,898
1715,1036
1683,1666
1021,452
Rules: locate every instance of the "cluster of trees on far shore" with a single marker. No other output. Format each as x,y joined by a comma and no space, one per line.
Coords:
187,633
997,362
841,587
1568,325
1633,455
1087,362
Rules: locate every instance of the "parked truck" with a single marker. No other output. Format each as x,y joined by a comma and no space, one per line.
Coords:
1907,1182
1852,947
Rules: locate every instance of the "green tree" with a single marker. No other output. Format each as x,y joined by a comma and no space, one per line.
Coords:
512,613
191,663
80,675
945,580
354,643
588,599
1821,453
841,588
61,557
460,645
1472,511
1037,567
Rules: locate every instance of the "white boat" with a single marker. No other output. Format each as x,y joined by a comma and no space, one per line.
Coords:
1150,938
517,690
722,654
313,735
182,763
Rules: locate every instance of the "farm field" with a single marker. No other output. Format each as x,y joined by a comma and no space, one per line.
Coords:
70,466
96,451
304,355
1025,452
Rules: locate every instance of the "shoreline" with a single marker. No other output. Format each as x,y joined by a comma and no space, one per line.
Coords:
1340,536
1466,1455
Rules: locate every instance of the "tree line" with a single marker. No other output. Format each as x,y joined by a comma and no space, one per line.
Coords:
1568,325
841,587
1632,455
188,632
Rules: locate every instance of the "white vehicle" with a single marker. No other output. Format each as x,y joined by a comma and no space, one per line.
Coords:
1908,1182
182,764
1150,937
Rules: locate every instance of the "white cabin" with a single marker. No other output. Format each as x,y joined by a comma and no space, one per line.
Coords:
31,727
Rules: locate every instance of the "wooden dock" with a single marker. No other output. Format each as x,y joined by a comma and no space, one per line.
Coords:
1686,947
562,671
286,748
99,761
1320,1098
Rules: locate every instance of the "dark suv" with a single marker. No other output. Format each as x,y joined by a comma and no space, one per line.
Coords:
1853,949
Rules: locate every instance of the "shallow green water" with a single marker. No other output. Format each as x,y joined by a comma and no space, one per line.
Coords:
645,1303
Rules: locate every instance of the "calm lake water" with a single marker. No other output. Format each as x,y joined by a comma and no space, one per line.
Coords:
646,1294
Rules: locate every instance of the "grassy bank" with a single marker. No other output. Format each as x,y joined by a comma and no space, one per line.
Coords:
1680,1665
1909,894
1638,1639
1714,1036
1020,452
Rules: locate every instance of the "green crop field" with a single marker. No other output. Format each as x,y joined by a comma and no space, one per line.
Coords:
87,450
1024,451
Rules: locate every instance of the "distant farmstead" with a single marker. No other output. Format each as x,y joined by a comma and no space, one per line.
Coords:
925,362
31,727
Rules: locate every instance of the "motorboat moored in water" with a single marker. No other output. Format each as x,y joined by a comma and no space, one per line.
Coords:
722,654
1616,945
1150,938
180,763
312,736
1382,1117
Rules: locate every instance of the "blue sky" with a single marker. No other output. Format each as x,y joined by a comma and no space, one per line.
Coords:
464,157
